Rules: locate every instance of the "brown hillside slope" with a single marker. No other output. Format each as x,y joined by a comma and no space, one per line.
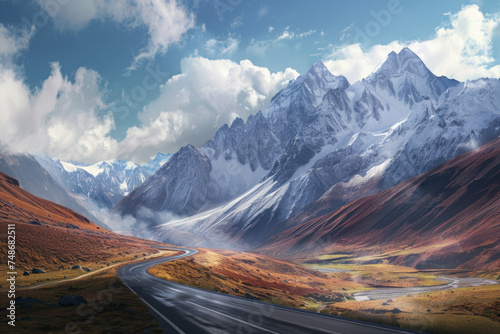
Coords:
448,217
52,237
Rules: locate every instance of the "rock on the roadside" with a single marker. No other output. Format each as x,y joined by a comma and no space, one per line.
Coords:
250,296
72,300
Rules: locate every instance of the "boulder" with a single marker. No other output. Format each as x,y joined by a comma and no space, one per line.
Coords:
76,267
37,271
34,222
250,296
72,300
72,226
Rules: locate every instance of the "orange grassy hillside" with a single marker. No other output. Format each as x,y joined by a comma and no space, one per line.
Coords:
52,237
258,277
18,205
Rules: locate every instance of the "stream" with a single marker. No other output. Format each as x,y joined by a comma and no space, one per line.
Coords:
453,283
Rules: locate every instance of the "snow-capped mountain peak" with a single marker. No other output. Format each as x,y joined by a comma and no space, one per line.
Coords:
388,94
404,61
103,183
307,90
397,64
319,71
318,134
404,76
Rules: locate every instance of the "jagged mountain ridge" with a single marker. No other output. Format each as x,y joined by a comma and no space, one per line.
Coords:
104,183
238,157
321,133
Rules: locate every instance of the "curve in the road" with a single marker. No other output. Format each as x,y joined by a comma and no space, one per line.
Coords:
183,309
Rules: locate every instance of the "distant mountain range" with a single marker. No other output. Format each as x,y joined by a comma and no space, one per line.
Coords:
105,182
36,180
81,187
318,135
448,217
50,236
152,166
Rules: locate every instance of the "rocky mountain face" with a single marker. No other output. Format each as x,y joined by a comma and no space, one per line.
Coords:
173,185
238,157
319,135
447,217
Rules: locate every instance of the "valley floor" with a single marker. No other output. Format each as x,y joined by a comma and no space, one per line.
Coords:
332,287
462,310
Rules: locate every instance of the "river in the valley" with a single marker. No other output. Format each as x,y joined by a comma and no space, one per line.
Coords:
453,283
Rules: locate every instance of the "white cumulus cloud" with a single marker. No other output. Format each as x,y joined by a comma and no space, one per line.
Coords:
460,50
68,118
286,35
61,118
195,103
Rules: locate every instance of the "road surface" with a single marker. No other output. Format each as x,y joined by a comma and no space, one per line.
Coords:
183,309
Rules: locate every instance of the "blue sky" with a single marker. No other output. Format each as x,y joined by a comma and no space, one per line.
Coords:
90,80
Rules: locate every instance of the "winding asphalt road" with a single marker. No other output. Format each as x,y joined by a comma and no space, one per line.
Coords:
183,309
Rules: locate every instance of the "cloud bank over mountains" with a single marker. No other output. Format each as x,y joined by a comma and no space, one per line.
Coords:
460,49
71,118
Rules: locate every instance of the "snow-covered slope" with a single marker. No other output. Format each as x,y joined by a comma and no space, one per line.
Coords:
320,134
238,157
380,100
104,183
463,118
